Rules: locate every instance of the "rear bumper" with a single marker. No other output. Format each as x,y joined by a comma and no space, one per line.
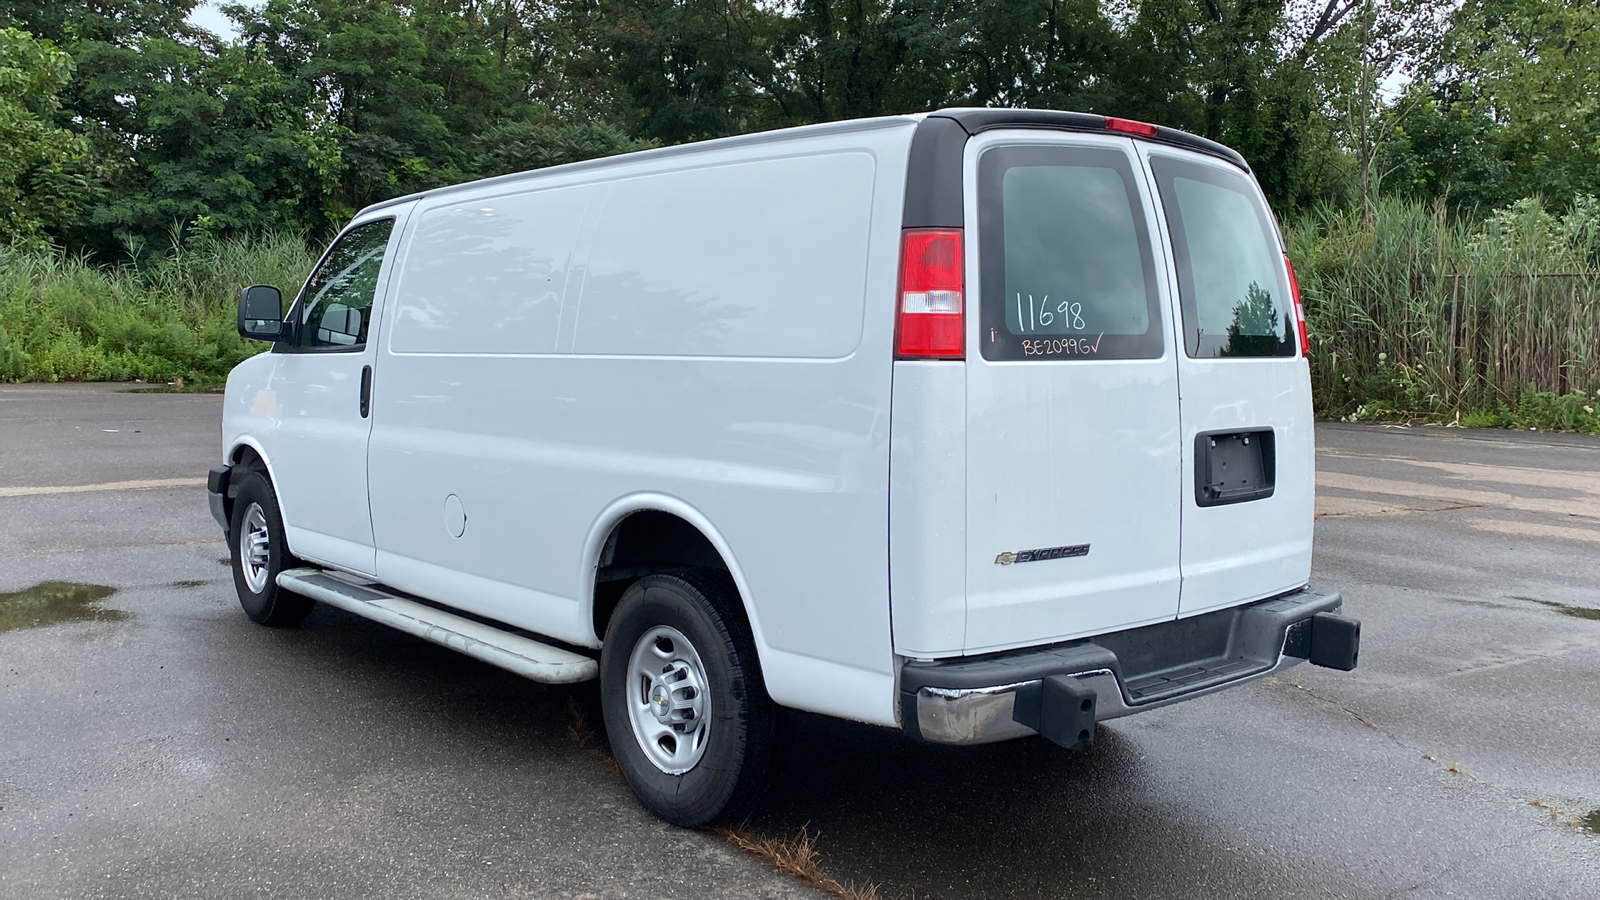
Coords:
1059,691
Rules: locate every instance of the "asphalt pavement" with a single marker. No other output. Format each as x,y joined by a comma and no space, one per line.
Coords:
154,743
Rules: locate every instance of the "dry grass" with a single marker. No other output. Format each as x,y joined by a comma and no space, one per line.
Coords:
1453,768
1541,803
1564,816
581,736
796,856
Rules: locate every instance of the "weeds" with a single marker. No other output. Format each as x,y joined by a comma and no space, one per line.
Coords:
581,736
796,856
62,318
1584,822
1415,316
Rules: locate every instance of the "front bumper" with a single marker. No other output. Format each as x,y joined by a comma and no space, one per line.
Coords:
217,490
1062,690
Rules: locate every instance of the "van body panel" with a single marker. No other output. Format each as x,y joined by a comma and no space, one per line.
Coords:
474,328
514,604
1235,553
642,393
927,508
771,264
1068,452
1246,551
803,681
307,416
487,275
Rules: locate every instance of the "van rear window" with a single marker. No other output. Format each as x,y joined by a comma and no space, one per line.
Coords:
1231,280
1067,272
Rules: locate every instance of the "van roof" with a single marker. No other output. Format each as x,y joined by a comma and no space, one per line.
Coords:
973,120
759,137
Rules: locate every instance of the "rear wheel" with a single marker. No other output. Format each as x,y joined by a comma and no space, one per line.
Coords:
685,707
260,552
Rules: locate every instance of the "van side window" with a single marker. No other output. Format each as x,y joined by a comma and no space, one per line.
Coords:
335,308
1067,269
1231,281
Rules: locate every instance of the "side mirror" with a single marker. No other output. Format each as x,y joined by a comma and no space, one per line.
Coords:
261,314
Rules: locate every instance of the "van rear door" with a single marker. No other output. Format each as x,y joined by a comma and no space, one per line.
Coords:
1073,442
1246,411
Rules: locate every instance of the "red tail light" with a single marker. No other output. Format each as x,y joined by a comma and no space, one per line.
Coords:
1128,126
932,303
1299,310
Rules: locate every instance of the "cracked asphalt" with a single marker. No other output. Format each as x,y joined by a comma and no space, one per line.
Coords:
153,743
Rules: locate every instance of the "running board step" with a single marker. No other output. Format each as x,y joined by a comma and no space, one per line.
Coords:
524,656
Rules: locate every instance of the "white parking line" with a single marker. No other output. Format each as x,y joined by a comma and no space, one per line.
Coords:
143,485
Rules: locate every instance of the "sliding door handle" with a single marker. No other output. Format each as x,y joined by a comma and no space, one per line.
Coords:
366,390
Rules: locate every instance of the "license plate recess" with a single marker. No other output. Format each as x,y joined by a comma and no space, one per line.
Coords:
1234,466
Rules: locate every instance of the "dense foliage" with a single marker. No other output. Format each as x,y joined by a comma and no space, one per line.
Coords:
1399,138
120,120
172,317
1415,314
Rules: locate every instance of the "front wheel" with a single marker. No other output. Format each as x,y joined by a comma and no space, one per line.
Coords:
685,707
260,552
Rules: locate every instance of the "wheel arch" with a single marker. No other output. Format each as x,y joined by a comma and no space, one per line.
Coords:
608,528
247,452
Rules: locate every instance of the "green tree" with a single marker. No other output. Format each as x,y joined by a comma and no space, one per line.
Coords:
1445,145
691,69
522,146
40,179
106,41
1536,70
358,68
224,146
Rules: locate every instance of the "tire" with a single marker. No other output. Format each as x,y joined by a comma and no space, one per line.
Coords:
255,513
700,763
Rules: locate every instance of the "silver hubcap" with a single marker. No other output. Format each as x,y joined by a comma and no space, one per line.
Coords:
668,704
253,549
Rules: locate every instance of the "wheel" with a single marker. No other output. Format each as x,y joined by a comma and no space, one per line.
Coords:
260,552
685,708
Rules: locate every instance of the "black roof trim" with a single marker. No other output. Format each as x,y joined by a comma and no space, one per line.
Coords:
974,121
933,175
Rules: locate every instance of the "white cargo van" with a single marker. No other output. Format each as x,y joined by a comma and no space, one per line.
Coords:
977,424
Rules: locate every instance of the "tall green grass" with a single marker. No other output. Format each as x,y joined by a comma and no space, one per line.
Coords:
63,318
1414,314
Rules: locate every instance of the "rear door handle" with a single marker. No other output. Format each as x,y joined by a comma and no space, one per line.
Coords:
366,390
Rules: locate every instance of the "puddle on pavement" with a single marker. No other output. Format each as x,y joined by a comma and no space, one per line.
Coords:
54,602
1591,822
1577,612
1480,604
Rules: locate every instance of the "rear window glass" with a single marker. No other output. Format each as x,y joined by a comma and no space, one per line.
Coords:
1231,281
1066,266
